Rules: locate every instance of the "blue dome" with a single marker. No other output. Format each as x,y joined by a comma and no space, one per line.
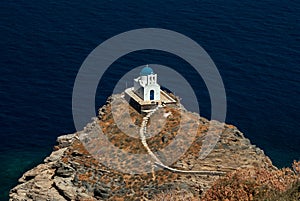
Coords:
146,71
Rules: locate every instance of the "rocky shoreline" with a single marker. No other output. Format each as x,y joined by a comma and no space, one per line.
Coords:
72,173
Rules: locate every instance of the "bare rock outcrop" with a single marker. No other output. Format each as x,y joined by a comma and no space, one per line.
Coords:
72,172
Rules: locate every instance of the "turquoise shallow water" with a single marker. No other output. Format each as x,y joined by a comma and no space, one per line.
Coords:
255,45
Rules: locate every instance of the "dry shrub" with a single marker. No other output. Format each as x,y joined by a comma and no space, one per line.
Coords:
254,184
174,195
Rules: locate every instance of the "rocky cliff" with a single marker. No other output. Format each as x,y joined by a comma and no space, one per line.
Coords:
81,167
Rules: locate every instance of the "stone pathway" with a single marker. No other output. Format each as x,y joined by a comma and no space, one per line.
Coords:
158,163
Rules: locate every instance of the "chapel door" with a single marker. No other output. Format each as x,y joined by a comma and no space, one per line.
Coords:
151,94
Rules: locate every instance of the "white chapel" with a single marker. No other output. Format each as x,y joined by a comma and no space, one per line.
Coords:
145,86
146,95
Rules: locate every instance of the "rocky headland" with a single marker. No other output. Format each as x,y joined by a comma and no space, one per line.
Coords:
81,167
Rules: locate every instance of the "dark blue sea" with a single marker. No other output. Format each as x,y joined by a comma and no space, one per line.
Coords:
254,44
